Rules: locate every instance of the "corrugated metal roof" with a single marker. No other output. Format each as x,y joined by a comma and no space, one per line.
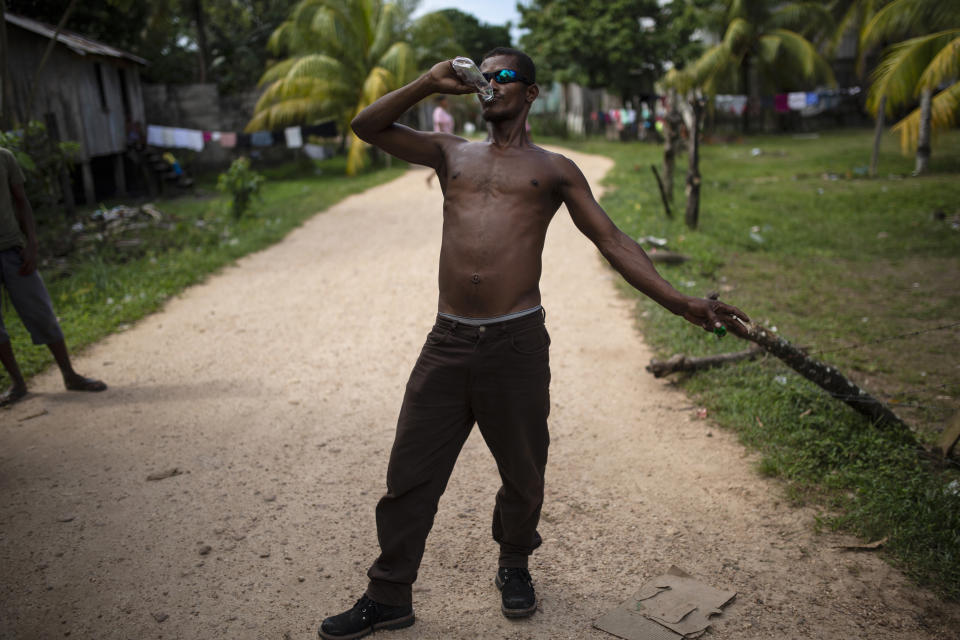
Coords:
74,41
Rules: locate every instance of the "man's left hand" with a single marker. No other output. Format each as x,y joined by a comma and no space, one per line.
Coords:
28,257
713,314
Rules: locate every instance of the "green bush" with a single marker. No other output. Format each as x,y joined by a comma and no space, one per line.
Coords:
41,160
242,183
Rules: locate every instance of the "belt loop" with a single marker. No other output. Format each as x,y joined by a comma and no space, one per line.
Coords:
543,314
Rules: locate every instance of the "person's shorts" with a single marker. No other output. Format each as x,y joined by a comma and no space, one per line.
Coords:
30,298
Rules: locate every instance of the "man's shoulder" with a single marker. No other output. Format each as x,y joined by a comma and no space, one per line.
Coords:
557,161
548,155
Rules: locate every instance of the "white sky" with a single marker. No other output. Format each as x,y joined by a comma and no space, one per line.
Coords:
496,12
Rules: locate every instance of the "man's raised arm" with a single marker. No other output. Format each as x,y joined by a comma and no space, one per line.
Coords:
377,123
632,262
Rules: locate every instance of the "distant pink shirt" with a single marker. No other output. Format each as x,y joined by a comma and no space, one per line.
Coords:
442,121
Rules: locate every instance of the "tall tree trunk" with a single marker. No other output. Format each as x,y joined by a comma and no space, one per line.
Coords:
6,99
693,114
745,80
877,135
923,135
671,139
28,114
202,52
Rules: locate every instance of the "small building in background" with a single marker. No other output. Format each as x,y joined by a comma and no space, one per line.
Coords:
88,92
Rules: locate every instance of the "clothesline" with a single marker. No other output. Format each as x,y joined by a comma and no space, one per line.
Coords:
808,103
196,139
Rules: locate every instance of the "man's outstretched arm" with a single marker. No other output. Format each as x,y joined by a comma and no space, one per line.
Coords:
377,123
632,262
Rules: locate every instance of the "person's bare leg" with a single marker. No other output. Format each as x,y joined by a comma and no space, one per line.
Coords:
18,388
71,379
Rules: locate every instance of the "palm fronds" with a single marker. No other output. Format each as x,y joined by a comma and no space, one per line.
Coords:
756,36
342,55
902,18
905,63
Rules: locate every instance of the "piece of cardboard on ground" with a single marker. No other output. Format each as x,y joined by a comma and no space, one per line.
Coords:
667,607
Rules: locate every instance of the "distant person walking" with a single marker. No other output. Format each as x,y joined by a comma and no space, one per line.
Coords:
22,282
442,123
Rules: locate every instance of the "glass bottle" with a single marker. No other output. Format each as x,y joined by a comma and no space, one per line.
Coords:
471,75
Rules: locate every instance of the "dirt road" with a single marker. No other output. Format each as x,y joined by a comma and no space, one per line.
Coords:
273,389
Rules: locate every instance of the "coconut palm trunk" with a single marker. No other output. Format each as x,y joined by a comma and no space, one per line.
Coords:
745,87
877,135
923,134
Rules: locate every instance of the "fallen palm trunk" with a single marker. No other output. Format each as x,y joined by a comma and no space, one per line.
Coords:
826,377
680,362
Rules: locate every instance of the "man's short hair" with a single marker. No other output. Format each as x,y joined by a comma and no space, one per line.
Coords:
524,63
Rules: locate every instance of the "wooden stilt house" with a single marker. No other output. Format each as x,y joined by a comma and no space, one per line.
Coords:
88,92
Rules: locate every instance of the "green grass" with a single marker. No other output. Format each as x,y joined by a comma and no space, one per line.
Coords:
107,290
844,260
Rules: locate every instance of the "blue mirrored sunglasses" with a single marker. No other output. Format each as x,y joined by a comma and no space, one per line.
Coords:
505,76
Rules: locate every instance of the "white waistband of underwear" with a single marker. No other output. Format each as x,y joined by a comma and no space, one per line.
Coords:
478,322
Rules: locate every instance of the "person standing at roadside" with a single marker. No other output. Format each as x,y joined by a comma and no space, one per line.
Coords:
22,282
442,123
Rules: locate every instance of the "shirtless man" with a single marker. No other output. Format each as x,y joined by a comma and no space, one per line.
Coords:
486,358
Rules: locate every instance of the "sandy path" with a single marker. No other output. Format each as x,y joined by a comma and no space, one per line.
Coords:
275,387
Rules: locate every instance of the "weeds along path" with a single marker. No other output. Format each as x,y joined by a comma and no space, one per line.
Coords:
273,389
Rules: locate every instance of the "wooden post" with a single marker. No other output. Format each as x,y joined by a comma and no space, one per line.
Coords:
692,217
89,193
119,175
671,139
663,195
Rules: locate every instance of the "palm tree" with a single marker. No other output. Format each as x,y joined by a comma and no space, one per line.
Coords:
760,41
757,41
852,16
848,16
921,65
342,56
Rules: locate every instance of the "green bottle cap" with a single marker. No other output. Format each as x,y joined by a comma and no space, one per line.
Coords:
720,331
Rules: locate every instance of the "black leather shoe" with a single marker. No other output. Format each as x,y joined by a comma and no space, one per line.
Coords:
364,618
518,600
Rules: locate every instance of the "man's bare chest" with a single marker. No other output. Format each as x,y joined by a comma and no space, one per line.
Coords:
514,178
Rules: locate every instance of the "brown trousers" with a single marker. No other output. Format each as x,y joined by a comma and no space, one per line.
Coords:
498,376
